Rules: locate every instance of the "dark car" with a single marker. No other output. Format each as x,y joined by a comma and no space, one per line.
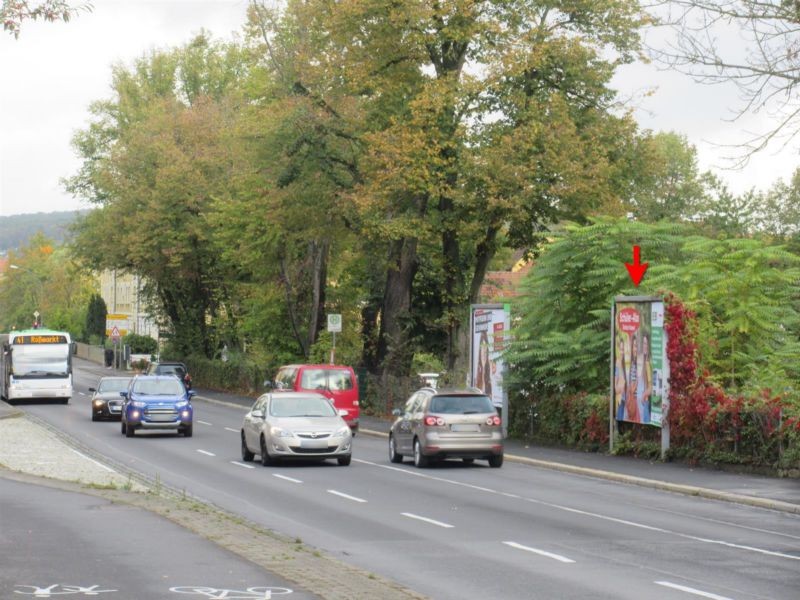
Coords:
171,368
157,402
106,401
448,423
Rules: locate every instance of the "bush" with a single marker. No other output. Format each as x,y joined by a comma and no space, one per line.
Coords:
237,374
579,420
140,344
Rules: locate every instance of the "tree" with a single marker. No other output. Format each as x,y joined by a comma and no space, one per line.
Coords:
467,123
668,184
95,330
156,160
44,280
765,68
14,12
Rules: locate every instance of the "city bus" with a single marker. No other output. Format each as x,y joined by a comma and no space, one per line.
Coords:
36,363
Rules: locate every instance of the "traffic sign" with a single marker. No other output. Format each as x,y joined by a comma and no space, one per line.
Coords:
115,334
335,323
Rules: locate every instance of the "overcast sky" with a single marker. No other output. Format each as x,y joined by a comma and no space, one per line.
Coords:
50,75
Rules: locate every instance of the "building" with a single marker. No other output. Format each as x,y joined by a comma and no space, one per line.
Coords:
501,286
121,292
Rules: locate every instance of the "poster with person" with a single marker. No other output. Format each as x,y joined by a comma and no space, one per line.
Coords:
638,386
489,328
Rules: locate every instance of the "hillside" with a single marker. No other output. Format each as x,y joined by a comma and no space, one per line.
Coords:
15,230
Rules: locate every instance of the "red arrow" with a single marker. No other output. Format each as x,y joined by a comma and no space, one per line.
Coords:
636,270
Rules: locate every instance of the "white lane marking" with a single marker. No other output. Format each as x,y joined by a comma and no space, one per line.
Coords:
427,520
286,477
689,590
348,496
99,464
202,422
233,430
206,452
238,464
586,513
81,393
557,557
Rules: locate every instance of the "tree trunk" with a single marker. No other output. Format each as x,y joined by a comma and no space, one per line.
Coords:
393,351
319,254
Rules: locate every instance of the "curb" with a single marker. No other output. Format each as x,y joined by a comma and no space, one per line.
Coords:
686,490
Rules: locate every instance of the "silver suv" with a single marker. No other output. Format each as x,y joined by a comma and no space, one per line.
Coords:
447,423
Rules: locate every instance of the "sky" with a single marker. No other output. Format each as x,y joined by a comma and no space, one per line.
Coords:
54,71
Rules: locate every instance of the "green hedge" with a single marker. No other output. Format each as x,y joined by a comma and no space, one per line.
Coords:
235,375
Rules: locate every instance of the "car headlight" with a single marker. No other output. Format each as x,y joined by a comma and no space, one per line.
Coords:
181,404
342,431
278,432
139,404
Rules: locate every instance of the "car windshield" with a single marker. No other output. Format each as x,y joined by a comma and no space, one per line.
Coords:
41,361
159,387
301,407
461,405
170,370
326,379
113,385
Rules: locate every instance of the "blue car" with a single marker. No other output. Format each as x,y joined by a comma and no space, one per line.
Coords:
157,402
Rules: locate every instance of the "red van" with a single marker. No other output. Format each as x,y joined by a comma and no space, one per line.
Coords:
333,381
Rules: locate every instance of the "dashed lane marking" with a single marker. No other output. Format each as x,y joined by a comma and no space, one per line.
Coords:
689,590
203,422
557,557
206,452
231,429
346,496
427,520
238,464
286,477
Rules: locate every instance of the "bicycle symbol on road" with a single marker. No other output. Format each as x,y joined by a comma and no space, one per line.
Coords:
60,590
251,593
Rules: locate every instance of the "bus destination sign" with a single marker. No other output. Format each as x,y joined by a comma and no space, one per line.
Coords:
40,339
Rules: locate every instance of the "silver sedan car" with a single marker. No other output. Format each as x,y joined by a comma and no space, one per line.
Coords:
295,425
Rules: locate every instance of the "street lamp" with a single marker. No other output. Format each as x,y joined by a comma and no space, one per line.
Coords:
36,314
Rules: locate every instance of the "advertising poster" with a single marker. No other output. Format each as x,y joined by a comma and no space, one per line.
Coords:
639,362
490,326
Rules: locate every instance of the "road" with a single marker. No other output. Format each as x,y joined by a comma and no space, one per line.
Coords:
459,532
61,543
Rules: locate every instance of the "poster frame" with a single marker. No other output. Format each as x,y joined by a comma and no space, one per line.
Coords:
506,308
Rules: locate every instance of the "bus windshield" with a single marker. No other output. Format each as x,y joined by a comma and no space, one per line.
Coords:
41,361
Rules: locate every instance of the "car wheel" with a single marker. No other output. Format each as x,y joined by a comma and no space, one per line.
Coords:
247,456
394,456
266,460
129,431
122,424
187,431
95,417
468,461
345,460
496,461
420,460
65,401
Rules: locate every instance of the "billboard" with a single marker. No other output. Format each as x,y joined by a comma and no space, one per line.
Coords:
489,325
639,362
120,321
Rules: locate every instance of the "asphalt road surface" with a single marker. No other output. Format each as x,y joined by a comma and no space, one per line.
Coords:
461,532
56,543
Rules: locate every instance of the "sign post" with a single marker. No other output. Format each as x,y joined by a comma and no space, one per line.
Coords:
334,326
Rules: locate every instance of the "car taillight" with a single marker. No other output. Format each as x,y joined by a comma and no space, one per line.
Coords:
494,421
432,421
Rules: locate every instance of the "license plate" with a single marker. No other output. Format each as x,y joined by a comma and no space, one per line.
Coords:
465,427
314,444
